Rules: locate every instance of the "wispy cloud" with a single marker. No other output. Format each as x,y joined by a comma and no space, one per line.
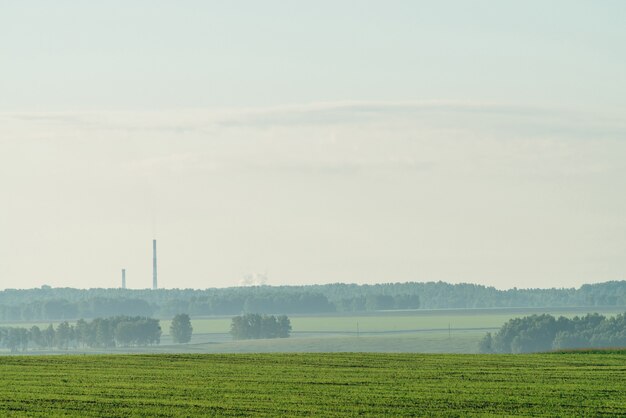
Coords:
333,137
331,113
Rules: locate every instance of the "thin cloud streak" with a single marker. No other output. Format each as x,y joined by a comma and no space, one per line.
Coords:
327,113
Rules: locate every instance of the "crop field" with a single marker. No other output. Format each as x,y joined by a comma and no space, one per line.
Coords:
348,384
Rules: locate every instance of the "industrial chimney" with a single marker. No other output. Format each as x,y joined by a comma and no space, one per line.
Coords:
123,278
154,265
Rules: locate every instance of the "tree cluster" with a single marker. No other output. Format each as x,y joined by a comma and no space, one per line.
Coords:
255,326
181,329
544,333
124,331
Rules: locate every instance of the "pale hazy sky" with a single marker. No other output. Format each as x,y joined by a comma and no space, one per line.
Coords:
352,141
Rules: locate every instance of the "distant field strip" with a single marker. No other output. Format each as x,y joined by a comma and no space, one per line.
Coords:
382,321
387,321
460,342
326,385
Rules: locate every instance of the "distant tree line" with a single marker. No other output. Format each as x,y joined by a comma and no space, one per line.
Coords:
119,331
60,304
64,309
544,333
255,326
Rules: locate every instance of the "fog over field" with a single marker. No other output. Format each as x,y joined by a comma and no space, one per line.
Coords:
351,142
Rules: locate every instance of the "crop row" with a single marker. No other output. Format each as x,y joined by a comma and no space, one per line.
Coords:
314,384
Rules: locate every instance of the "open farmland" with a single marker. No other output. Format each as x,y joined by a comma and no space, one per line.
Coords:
418,331
401,321
573,384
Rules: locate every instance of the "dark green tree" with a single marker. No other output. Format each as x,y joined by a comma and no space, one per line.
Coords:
81,332
284,326
104,332
485,345
254,326
17,338
63,335
48,336
544,332
36,337
125,333
181,329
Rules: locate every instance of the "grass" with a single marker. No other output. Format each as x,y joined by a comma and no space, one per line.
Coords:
432,342
328,385
394,321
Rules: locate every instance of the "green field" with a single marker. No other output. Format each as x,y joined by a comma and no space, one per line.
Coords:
573,384
418,320
431,342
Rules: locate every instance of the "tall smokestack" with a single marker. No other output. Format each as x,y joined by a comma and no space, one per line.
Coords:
154,265
123,278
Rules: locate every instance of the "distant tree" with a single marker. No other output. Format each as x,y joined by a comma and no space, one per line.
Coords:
119,331
48,336
24,338
125,333
269,327
63,335
284,326
379,302
13,339
254,326
59,309
104,332
239,328
36,337
181,329
245,327
81,332
149,331
485,345
544,332
407,301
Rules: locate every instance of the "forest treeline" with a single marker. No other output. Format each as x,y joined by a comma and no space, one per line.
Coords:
544,333
119,331
48,303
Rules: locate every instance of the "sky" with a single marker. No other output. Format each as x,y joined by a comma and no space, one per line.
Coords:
312,142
